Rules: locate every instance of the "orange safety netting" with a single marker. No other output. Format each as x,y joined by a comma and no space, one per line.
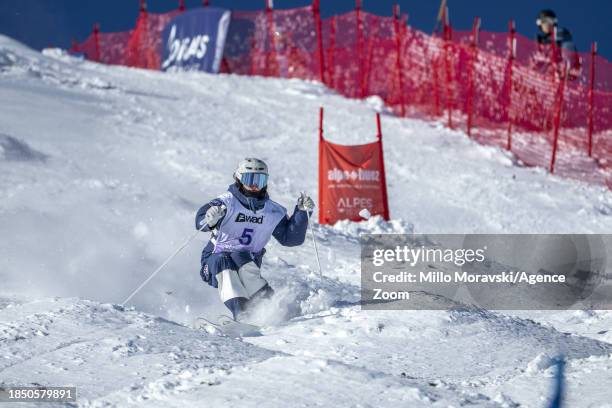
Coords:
502,88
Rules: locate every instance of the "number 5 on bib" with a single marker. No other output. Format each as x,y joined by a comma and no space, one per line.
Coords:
247,236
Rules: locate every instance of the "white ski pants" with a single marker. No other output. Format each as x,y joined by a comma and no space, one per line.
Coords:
244,282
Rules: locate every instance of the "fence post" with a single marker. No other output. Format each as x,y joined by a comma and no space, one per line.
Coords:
435,63
181,5
141,58
591,98
317,16
554,50
367,69
271,34
96,34
321,141
360,46
511,57
470,95
398,61
75,45
549,122
448,35
332,49
382,168
254,57
558,111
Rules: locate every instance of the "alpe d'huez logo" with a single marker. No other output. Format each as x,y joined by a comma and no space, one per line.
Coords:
249,218
183,49
353,175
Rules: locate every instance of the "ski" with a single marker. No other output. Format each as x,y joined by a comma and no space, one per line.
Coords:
229,326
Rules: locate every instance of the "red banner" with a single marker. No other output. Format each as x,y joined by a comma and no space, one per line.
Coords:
351,178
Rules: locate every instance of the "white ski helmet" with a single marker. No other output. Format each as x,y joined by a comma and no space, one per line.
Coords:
252,174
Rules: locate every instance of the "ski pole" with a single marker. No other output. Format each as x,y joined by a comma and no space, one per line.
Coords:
314,241
142,285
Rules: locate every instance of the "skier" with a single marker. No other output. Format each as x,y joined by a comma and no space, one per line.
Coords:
549,31
242,221
564,52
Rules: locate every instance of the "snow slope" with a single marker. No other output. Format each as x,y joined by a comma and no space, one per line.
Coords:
103,169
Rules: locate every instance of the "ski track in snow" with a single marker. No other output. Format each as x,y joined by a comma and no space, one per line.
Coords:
103,169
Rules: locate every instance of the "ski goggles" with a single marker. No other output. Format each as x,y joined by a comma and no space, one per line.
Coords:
259,180
547,20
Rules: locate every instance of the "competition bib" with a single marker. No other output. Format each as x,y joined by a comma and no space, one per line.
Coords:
245,230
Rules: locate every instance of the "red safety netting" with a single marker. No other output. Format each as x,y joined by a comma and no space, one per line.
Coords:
533,104
144,47
549,107
107,48
279,43
138,48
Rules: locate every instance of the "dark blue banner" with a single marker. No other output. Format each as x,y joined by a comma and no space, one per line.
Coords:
194,40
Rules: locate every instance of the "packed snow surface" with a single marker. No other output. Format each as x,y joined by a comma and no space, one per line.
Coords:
103,169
